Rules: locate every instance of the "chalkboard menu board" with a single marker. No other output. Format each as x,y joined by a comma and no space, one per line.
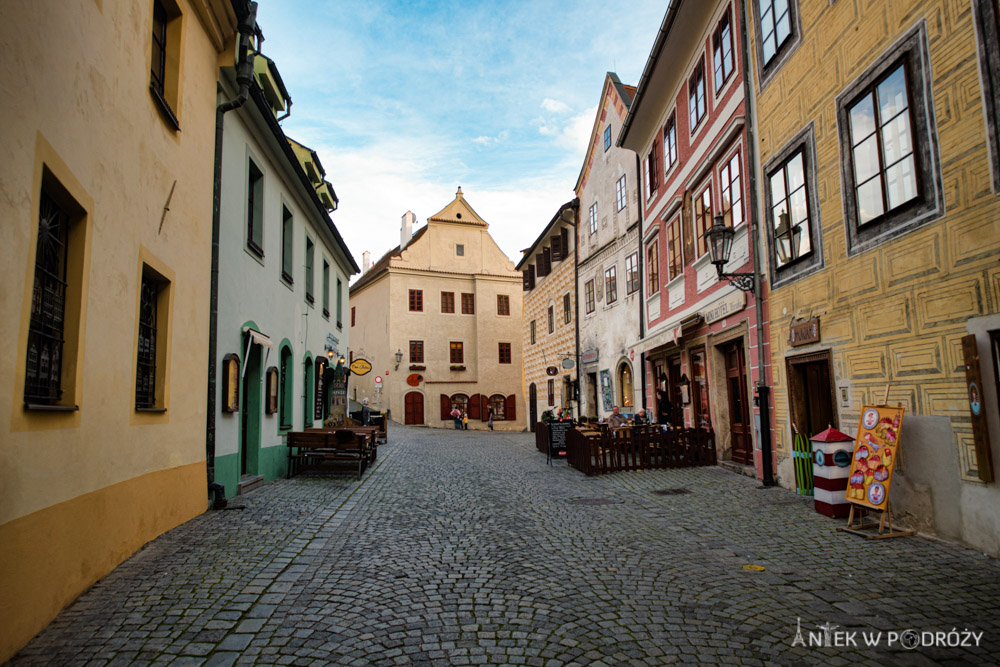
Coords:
557,438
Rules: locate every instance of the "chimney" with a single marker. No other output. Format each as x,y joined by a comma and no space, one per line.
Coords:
406,230
366,262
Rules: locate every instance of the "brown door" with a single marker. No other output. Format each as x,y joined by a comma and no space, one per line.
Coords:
701,414
810,393
413,404
739,410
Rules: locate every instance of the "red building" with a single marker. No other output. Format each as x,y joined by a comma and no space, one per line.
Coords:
689,124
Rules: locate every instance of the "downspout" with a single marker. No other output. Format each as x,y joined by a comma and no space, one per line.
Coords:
576,301
642,297
763,390
244,76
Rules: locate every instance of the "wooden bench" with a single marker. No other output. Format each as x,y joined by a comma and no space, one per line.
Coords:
318,448
370,433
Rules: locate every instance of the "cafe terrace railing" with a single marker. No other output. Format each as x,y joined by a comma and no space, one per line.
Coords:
595,452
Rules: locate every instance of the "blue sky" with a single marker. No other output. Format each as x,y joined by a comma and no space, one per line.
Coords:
406,101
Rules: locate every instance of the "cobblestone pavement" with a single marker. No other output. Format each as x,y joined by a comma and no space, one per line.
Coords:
466,548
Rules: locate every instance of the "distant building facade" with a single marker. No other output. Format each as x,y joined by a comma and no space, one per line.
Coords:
439,318
609,263
548,334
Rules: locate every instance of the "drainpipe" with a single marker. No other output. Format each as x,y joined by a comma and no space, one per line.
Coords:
576,303
763,390
244,76
642,298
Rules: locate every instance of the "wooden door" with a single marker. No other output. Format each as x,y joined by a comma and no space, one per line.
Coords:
819,402
739,409
413,408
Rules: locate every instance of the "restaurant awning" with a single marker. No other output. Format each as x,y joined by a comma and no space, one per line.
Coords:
262,340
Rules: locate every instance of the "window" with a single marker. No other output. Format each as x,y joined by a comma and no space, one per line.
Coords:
504,353
460,250
285,370
652,268
670,141
532,332
551,387
775,27
611,284
416,300
503,304
607,138
340,303
593,218
497,402
890,166
696,95
447,302
620,198
703,218
675,249
567,309
790,211
649,173
632,273
150,354
988,35
416,351
310,250
552,319
588,289
468,304
326,292
164,65
352,315
457,353
732,197
255,209
722,51
43,378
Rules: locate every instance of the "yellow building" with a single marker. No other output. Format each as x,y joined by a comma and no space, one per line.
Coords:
438,318
107,128
548,334
877,129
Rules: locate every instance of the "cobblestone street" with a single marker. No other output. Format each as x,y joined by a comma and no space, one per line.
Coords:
465,548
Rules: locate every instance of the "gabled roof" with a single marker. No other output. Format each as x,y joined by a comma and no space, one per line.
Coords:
382,265
529,253
458,211
614,89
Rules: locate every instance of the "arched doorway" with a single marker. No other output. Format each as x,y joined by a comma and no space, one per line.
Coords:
413,408
532,406
626,393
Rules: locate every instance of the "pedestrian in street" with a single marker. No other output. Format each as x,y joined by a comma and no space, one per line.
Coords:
366,413
456,416
663,406
489,417
465,420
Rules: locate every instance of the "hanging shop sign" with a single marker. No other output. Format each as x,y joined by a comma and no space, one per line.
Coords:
804,333
589,356
733,302
568,363
414,379
875,452
552,370
360,367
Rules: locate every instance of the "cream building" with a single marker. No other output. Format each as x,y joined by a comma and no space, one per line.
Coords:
107,133
438,318
548,332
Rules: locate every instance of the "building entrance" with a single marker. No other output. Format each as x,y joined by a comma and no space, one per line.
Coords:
810,393
739,410
250,412
413,408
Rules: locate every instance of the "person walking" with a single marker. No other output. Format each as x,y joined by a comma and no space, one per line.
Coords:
465,420
456,416
366,413
489,417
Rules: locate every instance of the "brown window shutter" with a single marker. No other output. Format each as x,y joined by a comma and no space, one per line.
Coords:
540,265
445,407
484,402
474,406
547,255
564,245
557,253
529,277
510,408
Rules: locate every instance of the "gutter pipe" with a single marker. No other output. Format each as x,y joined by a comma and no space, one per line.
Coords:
244,77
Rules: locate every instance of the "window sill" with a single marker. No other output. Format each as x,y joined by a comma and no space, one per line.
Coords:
457,368
165,110
418,368
326,313
287,278
255,250
152,410
310,299
41,407
340,326
285,427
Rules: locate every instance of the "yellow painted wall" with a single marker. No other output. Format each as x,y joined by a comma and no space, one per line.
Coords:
895,313
80,491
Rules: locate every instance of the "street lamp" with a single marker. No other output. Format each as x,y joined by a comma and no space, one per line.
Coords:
720,245
399,358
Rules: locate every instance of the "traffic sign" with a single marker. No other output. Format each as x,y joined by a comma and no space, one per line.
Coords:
378,379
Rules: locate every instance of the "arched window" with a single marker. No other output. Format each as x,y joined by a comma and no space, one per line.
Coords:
285,389
497,403
460,401
625,386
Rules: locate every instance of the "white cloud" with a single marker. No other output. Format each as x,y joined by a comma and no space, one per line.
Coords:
491,141
554,106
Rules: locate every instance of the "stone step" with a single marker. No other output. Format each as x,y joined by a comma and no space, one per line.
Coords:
248,483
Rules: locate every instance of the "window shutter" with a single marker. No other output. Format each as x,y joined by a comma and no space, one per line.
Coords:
564,246
445,407
557,253
485,403
474,406
529,277
510,408
540,265
547,255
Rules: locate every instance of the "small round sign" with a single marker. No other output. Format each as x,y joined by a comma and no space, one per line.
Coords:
378,379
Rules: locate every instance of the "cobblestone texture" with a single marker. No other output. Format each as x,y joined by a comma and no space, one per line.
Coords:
464,548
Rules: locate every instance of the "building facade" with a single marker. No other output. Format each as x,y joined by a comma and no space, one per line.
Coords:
688,123
108,189
609,272
438,319
879,162
283,277
548,334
